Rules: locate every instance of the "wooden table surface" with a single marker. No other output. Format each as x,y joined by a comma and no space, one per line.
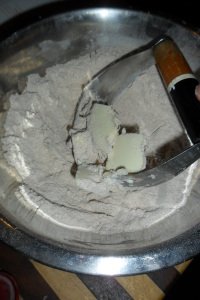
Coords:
39,282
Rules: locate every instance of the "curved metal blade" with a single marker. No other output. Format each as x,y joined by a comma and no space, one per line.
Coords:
114,78
164,171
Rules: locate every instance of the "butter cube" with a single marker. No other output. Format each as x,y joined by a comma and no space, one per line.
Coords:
128,152
103,127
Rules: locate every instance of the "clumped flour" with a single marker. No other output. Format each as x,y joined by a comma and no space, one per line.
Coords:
35,145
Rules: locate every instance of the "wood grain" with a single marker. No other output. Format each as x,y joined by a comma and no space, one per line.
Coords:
141,287
67,286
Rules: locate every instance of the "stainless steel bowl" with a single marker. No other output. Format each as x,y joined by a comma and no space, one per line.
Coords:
169,241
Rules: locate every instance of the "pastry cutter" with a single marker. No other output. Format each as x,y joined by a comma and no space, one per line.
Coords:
180,84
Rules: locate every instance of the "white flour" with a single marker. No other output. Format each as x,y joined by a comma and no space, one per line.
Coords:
35,144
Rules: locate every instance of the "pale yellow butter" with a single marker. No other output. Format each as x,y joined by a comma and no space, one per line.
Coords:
103,126
128,152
